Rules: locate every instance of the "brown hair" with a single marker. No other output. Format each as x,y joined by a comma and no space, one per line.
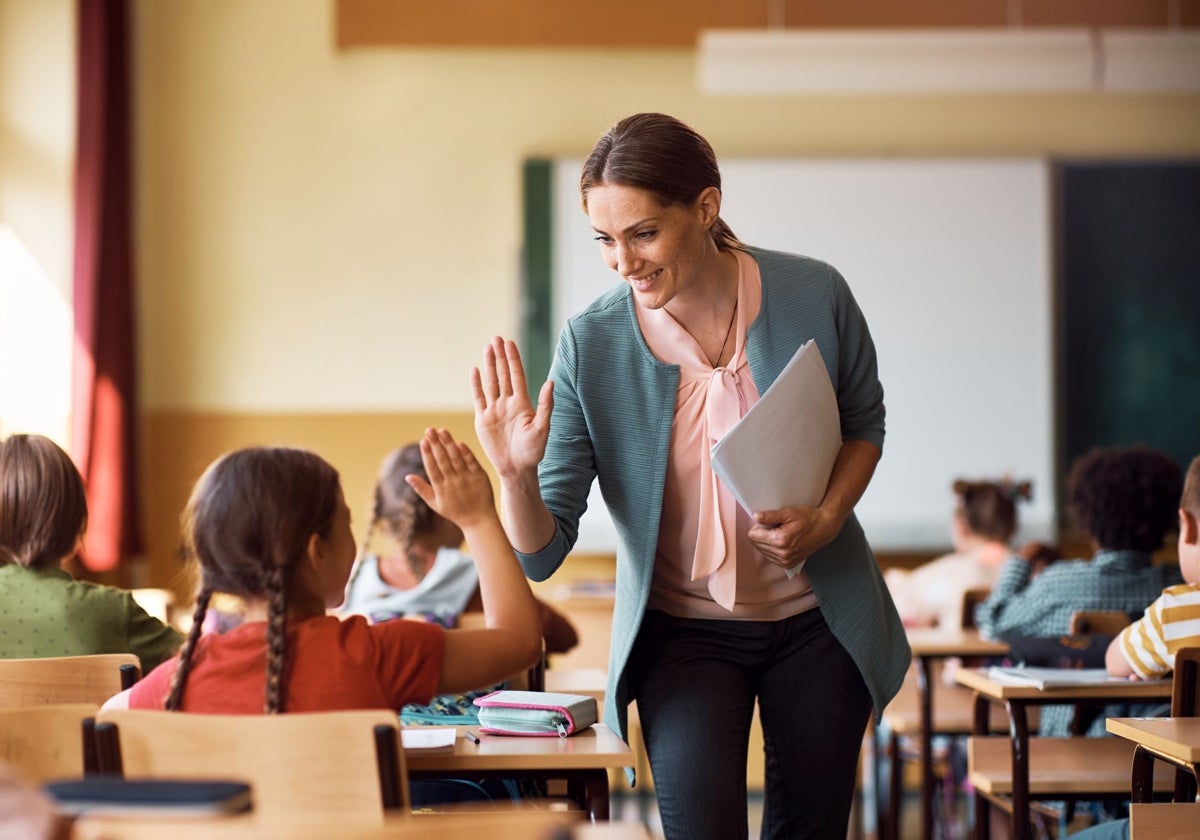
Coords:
659,154
43,507
397,506
247,524
1125,498
989,508
1190,499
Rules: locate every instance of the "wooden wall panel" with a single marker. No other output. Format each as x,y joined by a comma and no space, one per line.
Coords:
676,23
555,23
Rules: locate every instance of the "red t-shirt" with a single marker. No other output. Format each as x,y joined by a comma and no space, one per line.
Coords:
332,664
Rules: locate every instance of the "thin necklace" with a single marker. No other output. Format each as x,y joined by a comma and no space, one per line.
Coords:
728,332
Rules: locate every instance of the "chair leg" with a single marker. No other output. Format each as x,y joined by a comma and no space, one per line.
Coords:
895,787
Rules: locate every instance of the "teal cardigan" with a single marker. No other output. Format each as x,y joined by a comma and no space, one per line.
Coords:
613,410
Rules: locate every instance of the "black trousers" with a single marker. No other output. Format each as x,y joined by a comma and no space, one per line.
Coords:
696,682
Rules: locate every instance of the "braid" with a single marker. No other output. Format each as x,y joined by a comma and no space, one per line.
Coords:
405,525
276,585
175,696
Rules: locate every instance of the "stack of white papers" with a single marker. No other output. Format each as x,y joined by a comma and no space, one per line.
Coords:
1053,677
781,453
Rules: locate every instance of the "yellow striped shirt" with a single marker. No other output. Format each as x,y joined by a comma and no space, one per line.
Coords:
1172,622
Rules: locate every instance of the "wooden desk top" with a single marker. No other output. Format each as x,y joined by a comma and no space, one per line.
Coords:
937,641
1178,738
978,679
596,748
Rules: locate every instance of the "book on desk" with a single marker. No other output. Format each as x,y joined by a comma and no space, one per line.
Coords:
1048,678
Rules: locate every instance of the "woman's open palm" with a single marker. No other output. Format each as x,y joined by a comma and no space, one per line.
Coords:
511,431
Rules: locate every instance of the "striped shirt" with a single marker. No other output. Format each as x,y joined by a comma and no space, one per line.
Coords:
1170,624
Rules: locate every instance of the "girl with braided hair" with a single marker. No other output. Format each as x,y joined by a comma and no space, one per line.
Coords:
271,525
410,563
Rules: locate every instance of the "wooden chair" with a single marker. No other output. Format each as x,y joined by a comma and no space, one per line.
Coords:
1185,702
66,679
346,763
1102,622
971,598
50,741
534,825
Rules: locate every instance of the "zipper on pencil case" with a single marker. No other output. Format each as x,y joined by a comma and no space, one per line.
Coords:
516,724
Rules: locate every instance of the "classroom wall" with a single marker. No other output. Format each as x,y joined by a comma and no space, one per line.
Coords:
327,239
37,150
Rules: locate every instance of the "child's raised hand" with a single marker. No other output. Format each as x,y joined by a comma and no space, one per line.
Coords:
457,488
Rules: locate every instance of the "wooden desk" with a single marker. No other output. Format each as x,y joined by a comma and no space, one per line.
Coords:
929,645
1017,699
1164,821
582,759
1173,740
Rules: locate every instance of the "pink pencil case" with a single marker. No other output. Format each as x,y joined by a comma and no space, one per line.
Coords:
539,713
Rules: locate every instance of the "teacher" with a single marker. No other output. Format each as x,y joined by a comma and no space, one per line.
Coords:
715,608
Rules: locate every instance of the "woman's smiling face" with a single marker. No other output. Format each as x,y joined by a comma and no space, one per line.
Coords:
656,249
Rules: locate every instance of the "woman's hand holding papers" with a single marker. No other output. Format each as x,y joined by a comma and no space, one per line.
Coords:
789,536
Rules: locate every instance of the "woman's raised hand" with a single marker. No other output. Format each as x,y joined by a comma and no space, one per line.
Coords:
511,432
458,488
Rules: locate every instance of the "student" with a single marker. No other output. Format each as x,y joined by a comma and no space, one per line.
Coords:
1124,501
716,610
43,611
271,526
417,567
985,518
1146,649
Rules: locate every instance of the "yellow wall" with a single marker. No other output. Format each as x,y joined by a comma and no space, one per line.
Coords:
327,239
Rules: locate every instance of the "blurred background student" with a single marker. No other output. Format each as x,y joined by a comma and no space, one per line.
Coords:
411,563
985,519
43,610
1124,501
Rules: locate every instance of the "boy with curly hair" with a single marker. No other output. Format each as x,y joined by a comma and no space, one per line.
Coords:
1125,500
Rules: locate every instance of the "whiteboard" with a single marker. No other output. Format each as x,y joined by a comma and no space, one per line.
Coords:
950,261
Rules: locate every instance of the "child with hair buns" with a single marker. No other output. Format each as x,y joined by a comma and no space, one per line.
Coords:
985,519
272,526
411,565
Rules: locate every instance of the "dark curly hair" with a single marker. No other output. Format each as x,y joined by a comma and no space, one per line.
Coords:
1125,498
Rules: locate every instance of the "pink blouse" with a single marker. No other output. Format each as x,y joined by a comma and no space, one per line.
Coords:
706,566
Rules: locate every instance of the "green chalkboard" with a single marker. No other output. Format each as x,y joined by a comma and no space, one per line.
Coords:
1129,307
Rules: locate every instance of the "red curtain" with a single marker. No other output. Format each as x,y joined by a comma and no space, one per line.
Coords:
104,405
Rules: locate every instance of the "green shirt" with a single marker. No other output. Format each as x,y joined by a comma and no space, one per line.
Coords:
45,612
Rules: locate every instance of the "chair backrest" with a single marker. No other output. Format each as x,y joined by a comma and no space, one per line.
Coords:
1102,622
485,822
66,679
971,597
45,742
1185,684
345,762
